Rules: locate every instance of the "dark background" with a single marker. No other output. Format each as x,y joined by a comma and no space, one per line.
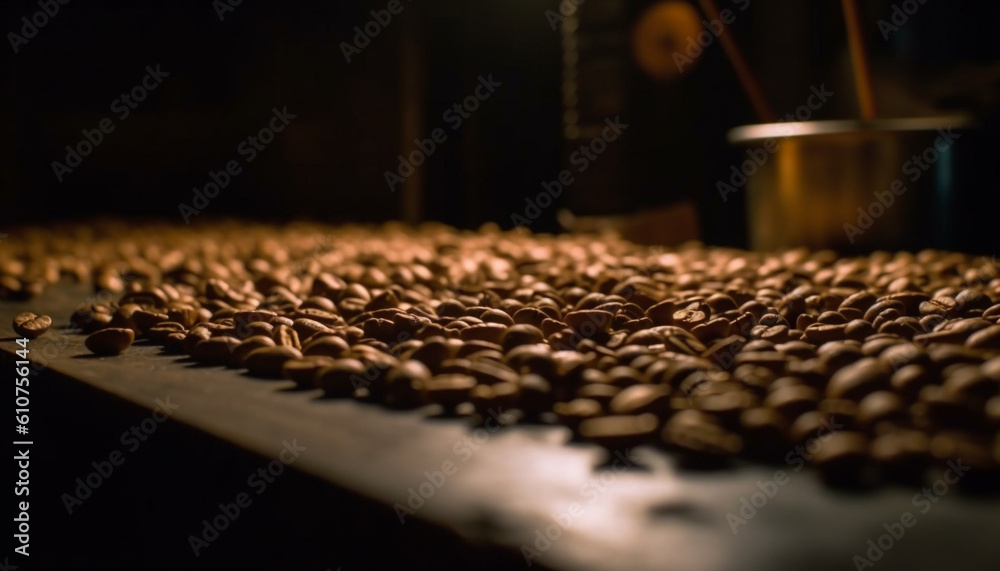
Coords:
354,119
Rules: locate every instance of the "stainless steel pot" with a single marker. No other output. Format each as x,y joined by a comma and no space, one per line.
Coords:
860,186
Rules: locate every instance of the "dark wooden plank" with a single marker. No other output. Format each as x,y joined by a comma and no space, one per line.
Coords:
511,486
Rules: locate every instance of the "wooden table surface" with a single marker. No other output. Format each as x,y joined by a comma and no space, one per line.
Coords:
508,487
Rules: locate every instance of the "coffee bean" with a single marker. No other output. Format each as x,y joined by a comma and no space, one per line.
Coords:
304,371
215,351
858,380
247,346
111,341
640,399
699,437
30,325
448,390
574,412
901,454
619,432
841,459
986,338
521,334
267,362
792,401
881,407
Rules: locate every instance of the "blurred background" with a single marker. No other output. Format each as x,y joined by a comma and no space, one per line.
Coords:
563,69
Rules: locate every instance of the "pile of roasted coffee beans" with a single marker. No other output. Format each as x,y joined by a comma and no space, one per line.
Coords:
872,369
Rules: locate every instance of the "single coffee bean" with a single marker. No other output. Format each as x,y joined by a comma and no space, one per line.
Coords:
619,432
700,438
763,430
858,380
304,371
285,336
30,325
841,459
881,407
600,392
987,338
248,345
574,412
640,399
968,381
405,385
448,390
588,322
267,362
536,394
215,351
521,334
901,454
339,379
792,401
111,341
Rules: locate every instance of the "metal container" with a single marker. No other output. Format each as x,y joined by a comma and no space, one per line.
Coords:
860,186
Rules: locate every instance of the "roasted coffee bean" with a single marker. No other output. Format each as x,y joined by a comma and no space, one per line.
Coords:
881,407
858,380
247,346
588,322
901,454
619,432
215,351
285,336
640,399
328,346
30,325
159,333
337,380
763,431
726,406
111,341
448,391
986,338
909,380
574,412
267,362
937,408
699,437
521,334
792,401
600,392
536,394
842,458
968,381
304,371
